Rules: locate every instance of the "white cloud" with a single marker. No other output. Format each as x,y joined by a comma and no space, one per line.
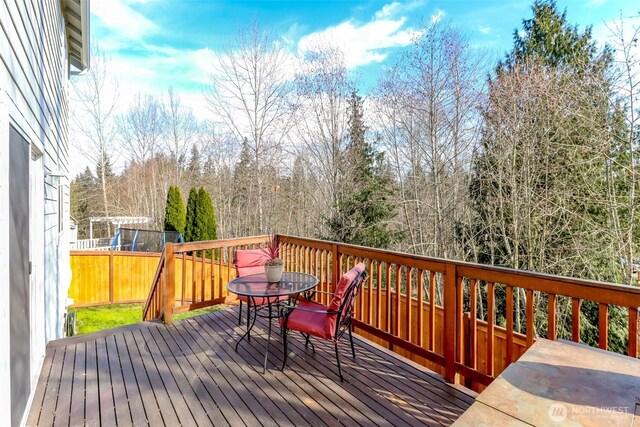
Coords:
369,42
388,10
437,16
484,29
118,16
396,8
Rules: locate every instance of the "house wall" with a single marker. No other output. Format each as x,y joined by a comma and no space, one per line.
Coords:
34,88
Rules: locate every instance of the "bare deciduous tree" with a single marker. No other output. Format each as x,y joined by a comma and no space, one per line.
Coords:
249,94
319,135
625,162
96,98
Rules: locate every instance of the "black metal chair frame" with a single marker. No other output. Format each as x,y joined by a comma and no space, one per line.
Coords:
343,323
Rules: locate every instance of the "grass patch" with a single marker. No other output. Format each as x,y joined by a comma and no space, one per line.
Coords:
92,319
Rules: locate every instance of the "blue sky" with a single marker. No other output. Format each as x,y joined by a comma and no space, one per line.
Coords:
154,44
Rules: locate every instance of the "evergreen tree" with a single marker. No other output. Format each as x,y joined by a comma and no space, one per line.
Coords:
207,216
242,191
175,214
191,233
108,170
201,220
547,38
195,164
538,183
365,211
83,200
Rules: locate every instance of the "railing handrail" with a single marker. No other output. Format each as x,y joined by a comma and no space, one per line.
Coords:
464,264
217,244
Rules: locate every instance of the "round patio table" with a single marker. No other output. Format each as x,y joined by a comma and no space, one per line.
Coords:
256,288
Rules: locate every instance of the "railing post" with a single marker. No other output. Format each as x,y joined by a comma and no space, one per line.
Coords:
170,282
450,329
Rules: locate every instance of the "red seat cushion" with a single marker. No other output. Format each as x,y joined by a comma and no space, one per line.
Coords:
308,322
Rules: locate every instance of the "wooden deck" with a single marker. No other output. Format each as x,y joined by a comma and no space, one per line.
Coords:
188,373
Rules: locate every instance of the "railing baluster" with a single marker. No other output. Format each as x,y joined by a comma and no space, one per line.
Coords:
408,313
420,324
603,325
360,311
323,274
327,283
633,332
551,323
473,324
370,293
459,317
396,316
211,278
229,266
220,280
509,314
432,310
202,278
490,328
530,317
388,288
193,276
575,319
378,293
184,277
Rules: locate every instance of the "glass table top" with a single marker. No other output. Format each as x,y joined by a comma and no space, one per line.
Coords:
256,285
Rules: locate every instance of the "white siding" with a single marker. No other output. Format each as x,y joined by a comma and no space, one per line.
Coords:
34,76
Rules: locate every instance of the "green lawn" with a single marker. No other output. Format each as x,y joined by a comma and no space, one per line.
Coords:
92,319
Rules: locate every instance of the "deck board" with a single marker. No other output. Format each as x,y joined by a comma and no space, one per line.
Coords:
189,374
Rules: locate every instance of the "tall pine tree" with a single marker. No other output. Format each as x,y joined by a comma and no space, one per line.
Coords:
365,210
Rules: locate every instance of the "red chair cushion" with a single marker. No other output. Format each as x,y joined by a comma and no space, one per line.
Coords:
245,271
250,261
346,279
312,323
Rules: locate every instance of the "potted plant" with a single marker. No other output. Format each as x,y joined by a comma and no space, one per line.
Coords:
274,266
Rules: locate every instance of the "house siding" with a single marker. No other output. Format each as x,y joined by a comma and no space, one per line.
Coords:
34,99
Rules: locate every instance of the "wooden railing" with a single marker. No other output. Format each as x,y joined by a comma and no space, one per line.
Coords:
410,304
415,306
194,275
